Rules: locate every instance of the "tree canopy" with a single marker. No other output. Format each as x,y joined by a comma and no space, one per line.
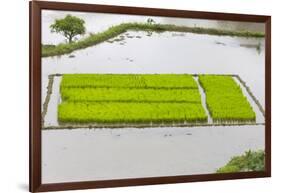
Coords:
69,27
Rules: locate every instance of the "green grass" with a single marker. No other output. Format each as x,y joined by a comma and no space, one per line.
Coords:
250,161
120,112
123,98
93,39
128,81
130,95
225,100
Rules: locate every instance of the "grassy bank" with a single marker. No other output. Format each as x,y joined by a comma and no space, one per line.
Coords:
250,161
93,39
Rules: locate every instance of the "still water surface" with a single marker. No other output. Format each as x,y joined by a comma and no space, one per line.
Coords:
102,154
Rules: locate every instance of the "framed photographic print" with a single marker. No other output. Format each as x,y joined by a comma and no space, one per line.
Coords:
123,96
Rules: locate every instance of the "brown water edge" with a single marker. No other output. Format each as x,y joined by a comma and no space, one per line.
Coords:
148,125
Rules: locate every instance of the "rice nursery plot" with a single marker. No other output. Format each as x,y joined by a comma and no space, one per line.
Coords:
225,100
150,98
123,98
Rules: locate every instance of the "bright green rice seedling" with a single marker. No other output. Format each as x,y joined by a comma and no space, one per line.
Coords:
123,98
120,112
170,81
130,95
225,99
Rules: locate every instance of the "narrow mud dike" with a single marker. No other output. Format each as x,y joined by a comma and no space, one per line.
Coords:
203,98
251,94
48,97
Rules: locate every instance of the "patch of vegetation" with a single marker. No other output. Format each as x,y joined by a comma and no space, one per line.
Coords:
225,100
171,81
117,98
250,161
130,95
93,39
124,112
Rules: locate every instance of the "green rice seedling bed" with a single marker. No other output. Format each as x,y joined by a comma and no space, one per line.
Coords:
122,112
134,98
130,95
169,81
150,98
225,99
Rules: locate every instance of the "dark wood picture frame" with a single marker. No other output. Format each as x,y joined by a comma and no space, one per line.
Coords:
36,7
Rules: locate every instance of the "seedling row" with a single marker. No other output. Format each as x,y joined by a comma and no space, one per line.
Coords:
130,95
168,81
123,112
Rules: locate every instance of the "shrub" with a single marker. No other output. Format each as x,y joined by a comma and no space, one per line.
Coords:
249,161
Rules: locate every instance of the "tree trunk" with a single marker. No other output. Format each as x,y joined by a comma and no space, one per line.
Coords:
70,39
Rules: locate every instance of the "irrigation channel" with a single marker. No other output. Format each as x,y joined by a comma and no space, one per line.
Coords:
82,154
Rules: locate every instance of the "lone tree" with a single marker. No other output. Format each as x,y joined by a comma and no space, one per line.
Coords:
69,27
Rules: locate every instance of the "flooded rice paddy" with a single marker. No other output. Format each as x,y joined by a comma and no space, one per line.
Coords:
100,154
